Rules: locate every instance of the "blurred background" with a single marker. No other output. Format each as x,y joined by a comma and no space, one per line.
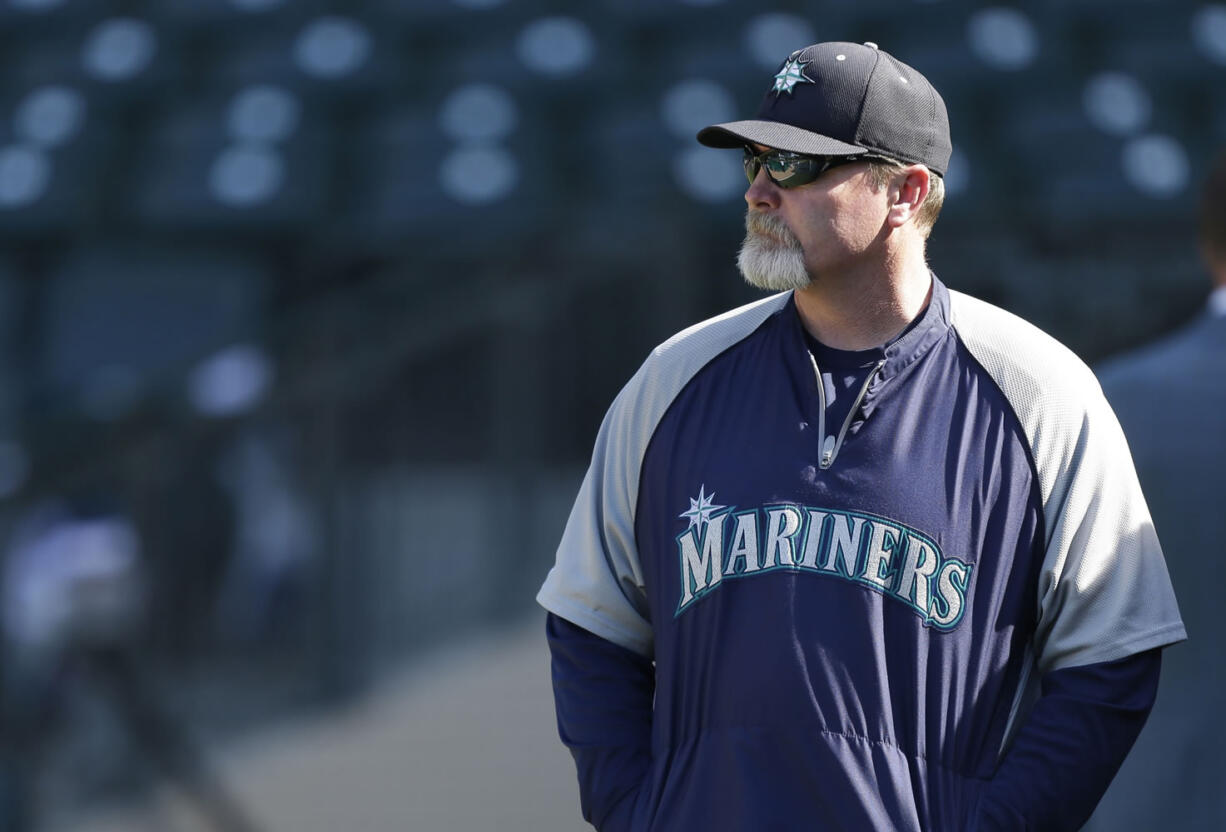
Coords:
309,312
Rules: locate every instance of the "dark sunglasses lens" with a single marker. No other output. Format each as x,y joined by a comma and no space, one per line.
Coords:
785,169
790,170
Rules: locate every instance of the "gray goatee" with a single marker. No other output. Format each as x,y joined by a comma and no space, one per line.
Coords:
771,257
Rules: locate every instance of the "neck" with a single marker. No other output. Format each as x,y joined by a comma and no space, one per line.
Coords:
864,307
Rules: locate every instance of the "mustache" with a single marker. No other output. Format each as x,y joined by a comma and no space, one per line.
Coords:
758,223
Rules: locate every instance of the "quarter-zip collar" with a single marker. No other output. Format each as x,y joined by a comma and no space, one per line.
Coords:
920,336
914,343
930,327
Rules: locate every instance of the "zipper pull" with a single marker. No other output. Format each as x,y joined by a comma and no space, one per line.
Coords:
828,451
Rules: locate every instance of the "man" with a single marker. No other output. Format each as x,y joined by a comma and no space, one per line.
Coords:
883,542
1170,397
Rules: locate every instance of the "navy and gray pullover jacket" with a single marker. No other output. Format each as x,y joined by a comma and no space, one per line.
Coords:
849,621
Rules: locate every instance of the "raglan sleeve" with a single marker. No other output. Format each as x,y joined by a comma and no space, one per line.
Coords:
1106,607
599,630
1104,603
1104,589
597,580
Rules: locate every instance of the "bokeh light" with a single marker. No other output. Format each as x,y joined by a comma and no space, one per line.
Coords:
689,106
1116,103
709,175
49,116
332,47
244,175
1209,32
24,175
556,46
479,175
1156,165
231,382
263,113
478,112
119,49
1003,38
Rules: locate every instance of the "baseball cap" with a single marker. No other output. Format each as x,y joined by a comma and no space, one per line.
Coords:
839,99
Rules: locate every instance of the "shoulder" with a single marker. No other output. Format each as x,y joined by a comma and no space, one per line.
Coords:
598,580
1054,395
1027,363
672,364
706,339
632,418
1103,588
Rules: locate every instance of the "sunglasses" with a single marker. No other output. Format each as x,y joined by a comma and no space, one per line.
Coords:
791,170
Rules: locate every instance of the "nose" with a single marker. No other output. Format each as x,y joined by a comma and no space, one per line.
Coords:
762,194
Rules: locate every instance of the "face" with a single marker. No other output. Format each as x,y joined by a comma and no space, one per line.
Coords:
794,236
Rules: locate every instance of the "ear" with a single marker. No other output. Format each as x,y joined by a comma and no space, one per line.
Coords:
907,193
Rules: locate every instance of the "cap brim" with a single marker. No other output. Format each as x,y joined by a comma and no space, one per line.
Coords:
775,135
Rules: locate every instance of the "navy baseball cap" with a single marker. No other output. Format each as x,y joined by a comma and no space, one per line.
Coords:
839,99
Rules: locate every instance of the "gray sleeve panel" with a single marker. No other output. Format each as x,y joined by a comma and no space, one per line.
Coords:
1104,591
597,581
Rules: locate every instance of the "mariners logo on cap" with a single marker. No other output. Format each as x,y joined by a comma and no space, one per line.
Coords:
791,75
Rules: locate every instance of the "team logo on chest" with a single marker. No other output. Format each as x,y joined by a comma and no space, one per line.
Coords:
901,563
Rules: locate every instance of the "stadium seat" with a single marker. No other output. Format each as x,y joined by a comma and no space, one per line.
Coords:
340,61
119,62
56,158
144,309
408,183
192,173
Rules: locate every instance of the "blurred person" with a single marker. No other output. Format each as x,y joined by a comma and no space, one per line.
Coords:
74,606
71,578
275,540
1171,397
865,554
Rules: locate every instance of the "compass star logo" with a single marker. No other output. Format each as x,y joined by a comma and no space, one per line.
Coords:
701,509
791,75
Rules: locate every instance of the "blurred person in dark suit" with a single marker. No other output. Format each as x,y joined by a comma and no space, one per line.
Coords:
1170,397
